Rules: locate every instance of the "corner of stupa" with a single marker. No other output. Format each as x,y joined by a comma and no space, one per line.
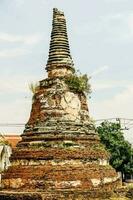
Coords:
60,155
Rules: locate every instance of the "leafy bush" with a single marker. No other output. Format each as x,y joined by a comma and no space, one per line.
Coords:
79,83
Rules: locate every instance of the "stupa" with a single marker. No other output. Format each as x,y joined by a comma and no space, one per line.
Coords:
60,155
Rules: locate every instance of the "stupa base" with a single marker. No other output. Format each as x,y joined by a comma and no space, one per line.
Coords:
97,194
88,195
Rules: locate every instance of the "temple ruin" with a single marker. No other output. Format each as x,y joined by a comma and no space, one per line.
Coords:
60,155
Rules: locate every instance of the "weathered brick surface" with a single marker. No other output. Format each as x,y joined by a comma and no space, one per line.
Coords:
54,153
58,195
20,196
60,154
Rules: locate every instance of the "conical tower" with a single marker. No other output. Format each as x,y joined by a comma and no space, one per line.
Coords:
59,52
60,154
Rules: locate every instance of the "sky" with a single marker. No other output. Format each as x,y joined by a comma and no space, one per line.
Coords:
101,43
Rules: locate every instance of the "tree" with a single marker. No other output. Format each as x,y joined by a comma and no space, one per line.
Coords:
121,152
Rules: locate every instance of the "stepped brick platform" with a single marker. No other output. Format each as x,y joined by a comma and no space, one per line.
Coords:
60,155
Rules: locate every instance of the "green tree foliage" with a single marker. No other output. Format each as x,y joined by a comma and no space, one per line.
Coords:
79,83
120,150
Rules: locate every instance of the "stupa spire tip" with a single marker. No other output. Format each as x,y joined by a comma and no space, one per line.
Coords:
59,58
57,11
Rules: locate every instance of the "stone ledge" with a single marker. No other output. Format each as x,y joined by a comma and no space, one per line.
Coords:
20,196
57,195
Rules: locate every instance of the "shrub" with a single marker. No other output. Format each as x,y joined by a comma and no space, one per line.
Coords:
34,87
79,83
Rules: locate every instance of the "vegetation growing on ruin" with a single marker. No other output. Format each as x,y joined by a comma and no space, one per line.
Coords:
79,83
98,147
34,87
40,145
3,141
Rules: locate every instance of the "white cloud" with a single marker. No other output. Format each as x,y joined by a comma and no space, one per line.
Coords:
13,52
17,110
120,26
14,112
116,1
25,39
19,2
100,70
117,106
17,84
100,85
103,85
115,16
130,22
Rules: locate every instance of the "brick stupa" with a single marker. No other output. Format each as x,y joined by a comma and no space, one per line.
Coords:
60,155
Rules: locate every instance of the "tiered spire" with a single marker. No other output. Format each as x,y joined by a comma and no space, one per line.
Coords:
59,52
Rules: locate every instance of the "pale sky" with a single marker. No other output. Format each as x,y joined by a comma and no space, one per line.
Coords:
101,42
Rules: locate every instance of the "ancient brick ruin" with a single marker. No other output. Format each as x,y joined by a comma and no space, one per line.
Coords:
60,155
